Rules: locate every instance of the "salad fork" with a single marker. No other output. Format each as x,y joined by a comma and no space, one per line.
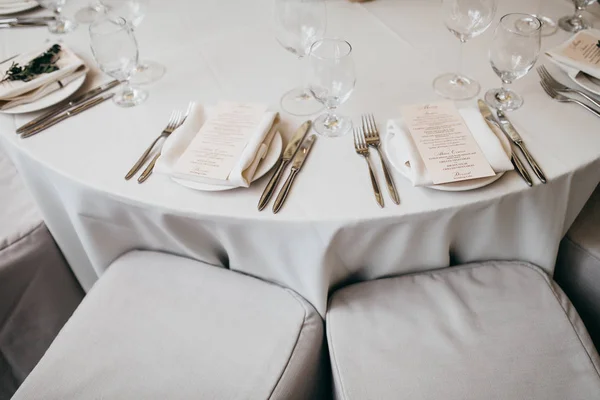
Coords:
564,99
362,149
374,140
560,87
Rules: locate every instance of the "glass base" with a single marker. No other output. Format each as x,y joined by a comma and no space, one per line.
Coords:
456,87
129,97
298,102
87,15
503,99
147,72
549,26
62,26
573,24
330,125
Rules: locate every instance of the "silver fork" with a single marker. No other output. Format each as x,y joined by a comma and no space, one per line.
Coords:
560,87
362,149
374,140
564,99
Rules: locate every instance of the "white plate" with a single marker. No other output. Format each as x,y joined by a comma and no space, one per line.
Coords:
49,100
390,147
265,165
7,11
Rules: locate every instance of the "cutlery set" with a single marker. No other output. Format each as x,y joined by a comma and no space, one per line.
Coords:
556,90
296,145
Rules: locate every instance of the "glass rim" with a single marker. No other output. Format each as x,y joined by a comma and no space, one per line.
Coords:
512,29
113,20
323,40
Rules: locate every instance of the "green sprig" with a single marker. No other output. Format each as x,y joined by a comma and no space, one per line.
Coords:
42,64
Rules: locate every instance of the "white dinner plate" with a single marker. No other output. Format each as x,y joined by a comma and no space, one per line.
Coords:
24,7
49,100
265,165
391,147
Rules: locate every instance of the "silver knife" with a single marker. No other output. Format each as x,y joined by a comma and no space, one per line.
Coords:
296,167
495,126
47,18
76,101
288,154
28,24
79,109
514,136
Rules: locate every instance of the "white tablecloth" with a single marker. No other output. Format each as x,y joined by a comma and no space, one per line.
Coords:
330,231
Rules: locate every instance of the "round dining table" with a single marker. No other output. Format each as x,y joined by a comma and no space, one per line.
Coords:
330,232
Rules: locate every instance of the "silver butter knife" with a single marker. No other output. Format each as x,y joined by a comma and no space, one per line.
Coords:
514,136
288,154
22,24
495,126
79,109
296,167
76,101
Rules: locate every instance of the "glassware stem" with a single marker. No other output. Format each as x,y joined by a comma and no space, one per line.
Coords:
460,61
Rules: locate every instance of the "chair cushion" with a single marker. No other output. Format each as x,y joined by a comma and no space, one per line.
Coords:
157,326
496,330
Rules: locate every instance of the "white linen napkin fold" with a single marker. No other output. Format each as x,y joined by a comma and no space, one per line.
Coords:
68,63
244,170
569,65
490,144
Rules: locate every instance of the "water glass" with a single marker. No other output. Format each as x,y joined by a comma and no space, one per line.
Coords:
60,24
514,51
331,80
297,25
465,19
576,22
116,51
549,26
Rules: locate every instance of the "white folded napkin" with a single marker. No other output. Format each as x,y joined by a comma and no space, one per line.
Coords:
68,63
43,90
490,144
243,173
572,67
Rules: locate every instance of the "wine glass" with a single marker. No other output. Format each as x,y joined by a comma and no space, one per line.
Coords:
515,49
331,80
89,13
549,26
116,51
60,24
298,24
576,22
134,11
465,19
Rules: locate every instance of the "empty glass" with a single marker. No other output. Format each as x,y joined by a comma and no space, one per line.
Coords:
116,52
331,80
466,19
298,24
549,26
576,22
134,11
60,24
515,49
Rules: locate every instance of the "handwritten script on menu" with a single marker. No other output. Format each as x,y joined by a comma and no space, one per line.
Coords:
219,144
583,49
445,143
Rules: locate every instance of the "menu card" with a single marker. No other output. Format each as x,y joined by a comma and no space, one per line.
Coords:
582,49
219,144
445,143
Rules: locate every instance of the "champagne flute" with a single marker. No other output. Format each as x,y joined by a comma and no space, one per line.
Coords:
298,24
465,19
116,51
576,22
331,80
549,26
60,24
515,49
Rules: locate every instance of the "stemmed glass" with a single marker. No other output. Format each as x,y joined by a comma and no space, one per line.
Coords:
60,24
331,80
116,51
576,22
549,26
466,19
89,13
134,11
298,24
515,49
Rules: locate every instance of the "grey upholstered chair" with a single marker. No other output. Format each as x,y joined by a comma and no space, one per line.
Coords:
578,265
496,330
38,291
157,326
